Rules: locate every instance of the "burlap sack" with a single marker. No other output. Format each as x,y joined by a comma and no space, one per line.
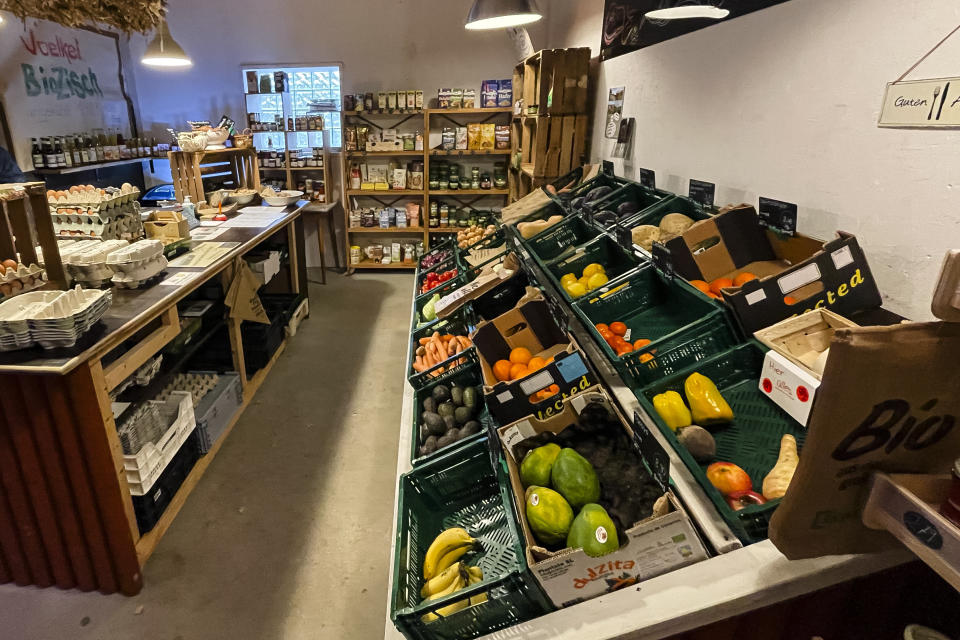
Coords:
890,401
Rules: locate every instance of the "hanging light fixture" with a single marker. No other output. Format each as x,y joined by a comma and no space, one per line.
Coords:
685,11
164,50
500,14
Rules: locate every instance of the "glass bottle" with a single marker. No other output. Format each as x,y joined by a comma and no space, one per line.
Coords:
35,154
49,154
61,155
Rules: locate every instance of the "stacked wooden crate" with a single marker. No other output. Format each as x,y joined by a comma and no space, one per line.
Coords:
550,131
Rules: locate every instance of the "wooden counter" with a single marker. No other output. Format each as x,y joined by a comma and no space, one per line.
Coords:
66,515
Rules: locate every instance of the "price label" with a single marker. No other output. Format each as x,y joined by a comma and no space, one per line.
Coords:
702,192
662,260
778,216
648,178
624,237
653,453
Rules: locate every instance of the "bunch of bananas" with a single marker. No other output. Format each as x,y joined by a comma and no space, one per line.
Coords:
444,573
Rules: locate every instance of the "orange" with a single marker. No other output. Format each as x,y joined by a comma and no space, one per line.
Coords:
536,363
640,344
743,278
601,327
606,334
554,389
645,357
624,348
618,328
520,355
715,296
501,370
550,359
719,284
700,284
790,300
518,371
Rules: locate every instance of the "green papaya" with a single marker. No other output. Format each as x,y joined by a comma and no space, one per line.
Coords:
537,464
573,476
548,515
593,531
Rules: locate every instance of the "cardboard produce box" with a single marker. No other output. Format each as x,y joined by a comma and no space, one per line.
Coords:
485,281
166,226
793,367
664,541
530,325
815,274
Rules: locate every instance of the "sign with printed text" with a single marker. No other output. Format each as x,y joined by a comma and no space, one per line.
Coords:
922,103
58,81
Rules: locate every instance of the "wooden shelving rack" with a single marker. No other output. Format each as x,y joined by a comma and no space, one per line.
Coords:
292,173
549,135
234,167
429,118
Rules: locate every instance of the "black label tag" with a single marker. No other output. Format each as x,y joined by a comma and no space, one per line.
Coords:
778,216
648,178
624,237
662,259
653,453
607,167
702,192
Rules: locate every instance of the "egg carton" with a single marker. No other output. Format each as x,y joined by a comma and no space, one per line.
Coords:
126,226
131,256
50,318
14,282
140,276
91,198
88,262
198,384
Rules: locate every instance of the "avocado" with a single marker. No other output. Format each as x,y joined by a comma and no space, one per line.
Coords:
429,446
446,408
470,397
470,429
456,395
577,203
462,415
441,393
433,422
573,476
429,404
453,434
593,531
449,422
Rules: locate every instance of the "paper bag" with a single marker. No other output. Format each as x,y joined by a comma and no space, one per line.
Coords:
890,401
242,296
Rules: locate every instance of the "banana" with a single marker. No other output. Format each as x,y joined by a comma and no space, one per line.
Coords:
442,551
450,609
441,581
476,575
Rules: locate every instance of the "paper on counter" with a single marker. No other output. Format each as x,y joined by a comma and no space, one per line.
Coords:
204,254
207,233
255,217
181,278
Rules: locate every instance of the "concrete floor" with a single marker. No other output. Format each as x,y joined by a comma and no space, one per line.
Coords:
287,536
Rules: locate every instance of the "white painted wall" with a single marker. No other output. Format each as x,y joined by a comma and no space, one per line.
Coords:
398,44
784,103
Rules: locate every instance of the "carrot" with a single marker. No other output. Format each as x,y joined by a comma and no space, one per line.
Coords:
424,340
418,365
464,342
438,344
447,337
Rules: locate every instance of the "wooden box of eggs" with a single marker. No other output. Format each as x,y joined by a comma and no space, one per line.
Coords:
19,278
799,348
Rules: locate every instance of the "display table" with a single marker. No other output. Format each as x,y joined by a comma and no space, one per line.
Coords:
732,582
66,514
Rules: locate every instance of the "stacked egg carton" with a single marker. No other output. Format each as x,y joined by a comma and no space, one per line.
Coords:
85,211
135,265
18,278
142,426
86,261
50,318
198,384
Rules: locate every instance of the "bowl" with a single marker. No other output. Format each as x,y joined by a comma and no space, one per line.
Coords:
240,198
216,137
192,141
283,198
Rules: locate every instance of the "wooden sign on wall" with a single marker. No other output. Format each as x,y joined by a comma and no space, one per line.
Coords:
921,104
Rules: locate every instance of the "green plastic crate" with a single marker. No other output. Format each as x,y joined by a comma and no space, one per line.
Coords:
581,190
461,489
461,322
564,236
449,244
653,215
447,287
603,250
684,325
642,197
751,441
453,262
497,240
468,377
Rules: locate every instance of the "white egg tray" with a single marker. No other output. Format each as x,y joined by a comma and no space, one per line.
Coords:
197,384
134,276
93,200
50,318
88,261
129,257
145,466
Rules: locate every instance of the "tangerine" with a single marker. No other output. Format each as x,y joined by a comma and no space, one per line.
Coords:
501,370
719,284
518,371
743,278
600,327
640,344
618,328
520,355
536,363
700,284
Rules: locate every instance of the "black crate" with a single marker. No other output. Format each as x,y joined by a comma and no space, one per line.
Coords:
261,341
148,508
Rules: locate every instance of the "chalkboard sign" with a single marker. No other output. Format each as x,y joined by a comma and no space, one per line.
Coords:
778,216
662,260
653,453
648,178
702,192
624,237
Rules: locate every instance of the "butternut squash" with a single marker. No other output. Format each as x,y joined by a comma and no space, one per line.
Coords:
776,482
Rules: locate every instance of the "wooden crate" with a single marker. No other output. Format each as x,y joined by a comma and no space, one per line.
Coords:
550,146
25,223
237,168
553,82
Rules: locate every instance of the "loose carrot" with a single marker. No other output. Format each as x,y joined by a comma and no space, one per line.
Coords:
424,340
438,343
464,342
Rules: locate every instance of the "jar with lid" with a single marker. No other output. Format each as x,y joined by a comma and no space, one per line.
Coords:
475,178
434,181
434,215
463,219
444,215
485,182
472,218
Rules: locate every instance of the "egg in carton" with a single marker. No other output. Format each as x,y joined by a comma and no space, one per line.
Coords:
92,198
18,278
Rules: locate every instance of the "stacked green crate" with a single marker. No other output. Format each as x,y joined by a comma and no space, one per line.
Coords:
460,323
603,250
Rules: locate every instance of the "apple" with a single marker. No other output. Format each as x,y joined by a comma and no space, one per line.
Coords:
728,478
742,499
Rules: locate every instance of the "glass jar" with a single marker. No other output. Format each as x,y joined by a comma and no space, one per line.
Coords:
472,218
443,185
485,182
434,214
444,215
463,219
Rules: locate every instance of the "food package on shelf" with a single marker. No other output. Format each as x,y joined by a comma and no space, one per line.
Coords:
50,318
137,263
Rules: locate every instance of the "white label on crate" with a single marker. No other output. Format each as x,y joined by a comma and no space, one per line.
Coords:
601,534
532,384
799,278
627,335
504,396
842,257
515,433
534,499
755,297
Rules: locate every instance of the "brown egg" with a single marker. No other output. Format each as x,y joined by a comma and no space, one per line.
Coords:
9,264
5,289
15,285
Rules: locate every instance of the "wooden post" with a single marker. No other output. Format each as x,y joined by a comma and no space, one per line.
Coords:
46,235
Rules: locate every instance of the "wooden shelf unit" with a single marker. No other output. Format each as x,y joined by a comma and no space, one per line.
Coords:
190,169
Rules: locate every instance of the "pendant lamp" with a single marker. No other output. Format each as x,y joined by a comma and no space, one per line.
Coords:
500,14
685,9
164,50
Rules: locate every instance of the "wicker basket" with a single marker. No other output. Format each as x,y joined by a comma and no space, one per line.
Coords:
243,140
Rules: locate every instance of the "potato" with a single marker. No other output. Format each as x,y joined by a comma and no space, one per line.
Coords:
675,224
645,235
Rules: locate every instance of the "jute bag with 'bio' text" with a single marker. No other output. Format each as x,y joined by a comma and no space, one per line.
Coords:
889,401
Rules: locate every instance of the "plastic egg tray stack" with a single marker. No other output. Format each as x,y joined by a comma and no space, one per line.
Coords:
198,384
110,213
86,261
137,263
144,425
20,280
50,318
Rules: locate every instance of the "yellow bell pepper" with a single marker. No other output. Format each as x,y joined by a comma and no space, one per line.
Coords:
706,403
672,410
